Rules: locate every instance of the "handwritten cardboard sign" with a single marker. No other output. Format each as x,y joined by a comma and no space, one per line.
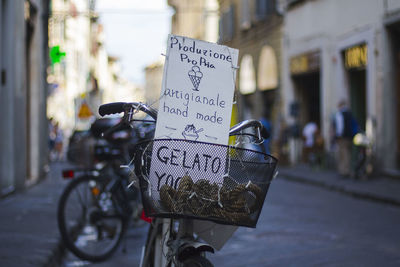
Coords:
197,91
195,104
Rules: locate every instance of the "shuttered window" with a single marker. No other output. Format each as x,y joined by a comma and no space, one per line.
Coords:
245,16
263,9
227,25
292,2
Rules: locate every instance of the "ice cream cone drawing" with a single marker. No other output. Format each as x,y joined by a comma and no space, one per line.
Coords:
195,76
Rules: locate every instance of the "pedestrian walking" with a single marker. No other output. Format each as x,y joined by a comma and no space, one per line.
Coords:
57,139
267,125
52,135
344,130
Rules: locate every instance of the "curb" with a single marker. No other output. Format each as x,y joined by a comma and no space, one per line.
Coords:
339,188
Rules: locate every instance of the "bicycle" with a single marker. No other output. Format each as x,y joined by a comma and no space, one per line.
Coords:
237,200
96,207
363,165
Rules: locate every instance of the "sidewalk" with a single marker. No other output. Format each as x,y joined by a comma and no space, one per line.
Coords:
379,188
28,225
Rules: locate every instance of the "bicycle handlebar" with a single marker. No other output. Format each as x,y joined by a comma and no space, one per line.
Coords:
130,108
262,133
111,108
127,108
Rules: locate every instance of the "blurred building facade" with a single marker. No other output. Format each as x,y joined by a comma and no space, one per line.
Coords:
153,82
23,90
337,49
255,28
195,19
325,51
70,28
299,58
87,75
388,89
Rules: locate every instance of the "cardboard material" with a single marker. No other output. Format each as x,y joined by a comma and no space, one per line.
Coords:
197,91
195,104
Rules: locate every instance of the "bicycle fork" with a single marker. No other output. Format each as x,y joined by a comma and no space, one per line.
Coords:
169,248
184,245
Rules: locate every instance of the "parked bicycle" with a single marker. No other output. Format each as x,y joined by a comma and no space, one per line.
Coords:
363,167
96,207
177,205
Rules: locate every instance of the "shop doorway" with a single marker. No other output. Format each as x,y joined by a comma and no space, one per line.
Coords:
395,42
307,93
358,97
397,88
268,103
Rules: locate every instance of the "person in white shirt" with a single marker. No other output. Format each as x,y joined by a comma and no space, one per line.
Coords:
309,135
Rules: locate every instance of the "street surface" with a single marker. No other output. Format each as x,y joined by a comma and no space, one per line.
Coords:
300,225
135,239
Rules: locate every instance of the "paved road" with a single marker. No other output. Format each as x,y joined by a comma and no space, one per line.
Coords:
300,225
134,241
303,225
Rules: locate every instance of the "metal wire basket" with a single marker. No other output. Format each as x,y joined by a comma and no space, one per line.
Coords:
190,179
81,150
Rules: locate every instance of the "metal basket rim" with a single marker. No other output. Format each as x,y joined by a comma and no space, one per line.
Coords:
194,217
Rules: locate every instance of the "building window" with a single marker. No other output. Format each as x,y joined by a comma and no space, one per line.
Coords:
247,76
293,2
226,24
264,8
267,69
245,18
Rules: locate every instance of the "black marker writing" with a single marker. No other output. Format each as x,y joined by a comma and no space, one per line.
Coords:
176,43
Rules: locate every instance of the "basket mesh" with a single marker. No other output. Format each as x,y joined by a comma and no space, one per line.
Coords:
224,184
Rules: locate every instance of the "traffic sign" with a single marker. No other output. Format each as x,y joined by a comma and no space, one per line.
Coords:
84,111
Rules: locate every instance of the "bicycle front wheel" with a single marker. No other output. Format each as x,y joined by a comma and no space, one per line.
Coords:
197,261
88,220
